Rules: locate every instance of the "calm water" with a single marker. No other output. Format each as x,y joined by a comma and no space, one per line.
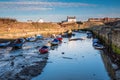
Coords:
80,61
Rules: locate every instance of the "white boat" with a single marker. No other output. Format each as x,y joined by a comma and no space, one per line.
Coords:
31,38
39,36
98,46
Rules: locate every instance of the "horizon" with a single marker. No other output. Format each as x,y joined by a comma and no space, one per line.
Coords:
58,10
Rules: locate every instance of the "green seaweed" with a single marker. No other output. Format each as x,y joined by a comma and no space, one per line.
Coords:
116,49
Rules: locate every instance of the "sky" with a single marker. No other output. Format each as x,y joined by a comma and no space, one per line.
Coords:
58,10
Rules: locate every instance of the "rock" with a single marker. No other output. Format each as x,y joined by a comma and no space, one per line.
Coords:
82,56
22,66
114,66
12,63
118,75
63,53
46,58
67,58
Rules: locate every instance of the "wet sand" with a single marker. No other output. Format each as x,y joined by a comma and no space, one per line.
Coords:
22,64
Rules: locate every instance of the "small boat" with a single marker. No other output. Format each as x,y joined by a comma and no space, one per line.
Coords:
59,37
89,35
75,39
31,39
98,46
5,43
44,49
23,40
55,42
95,40
17,44
39,36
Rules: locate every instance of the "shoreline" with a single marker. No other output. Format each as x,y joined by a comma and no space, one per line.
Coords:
18,65
27,34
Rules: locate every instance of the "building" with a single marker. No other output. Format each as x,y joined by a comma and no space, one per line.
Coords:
95,19
40,20
106,19
71,19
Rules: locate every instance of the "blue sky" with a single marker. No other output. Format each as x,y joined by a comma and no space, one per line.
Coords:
58,10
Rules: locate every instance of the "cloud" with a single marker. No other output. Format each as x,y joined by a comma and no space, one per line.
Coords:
40,5
67,4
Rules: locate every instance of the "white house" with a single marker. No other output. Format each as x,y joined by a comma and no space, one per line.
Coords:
40,20
71,19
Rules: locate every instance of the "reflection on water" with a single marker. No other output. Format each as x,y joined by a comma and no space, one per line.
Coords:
74,60
108,66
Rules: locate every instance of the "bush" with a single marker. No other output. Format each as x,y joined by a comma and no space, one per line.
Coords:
7,20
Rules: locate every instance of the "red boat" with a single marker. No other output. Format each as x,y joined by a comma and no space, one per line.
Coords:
43,50
59,38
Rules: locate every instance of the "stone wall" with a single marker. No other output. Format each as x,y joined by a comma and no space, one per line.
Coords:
110,35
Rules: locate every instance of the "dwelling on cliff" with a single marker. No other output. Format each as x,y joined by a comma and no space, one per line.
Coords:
40,20
70,19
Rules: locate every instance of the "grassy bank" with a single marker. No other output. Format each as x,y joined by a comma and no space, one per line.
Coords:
11,29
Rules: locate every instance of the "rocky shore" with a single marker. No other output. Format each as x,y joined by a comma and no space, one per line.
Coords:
22,64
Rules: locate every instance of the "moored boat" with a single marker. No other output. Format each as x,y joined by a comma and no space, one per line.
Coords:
44,49
17,44
31,39
98,46
74,39
89,34
5,43
55,42
95,40
59,37
39,36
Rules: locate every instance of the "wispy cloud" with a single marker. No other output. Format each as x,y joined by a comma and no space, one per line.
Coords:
40,5
69,4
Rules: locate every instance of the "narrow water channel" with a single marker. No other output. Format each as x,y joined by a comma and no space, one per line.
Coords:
74,60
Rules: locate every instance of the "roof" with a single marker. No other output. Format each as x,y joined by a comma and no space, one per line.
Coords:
71,17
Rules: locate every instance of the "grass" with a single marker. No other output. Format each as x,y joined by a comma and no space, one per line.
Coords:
116,49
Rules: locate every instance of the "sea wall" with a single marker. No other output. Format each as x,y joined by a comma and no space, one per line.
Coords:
109,33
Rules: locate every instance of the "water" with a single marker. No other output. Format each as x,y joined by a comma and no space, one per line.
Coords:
80,61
